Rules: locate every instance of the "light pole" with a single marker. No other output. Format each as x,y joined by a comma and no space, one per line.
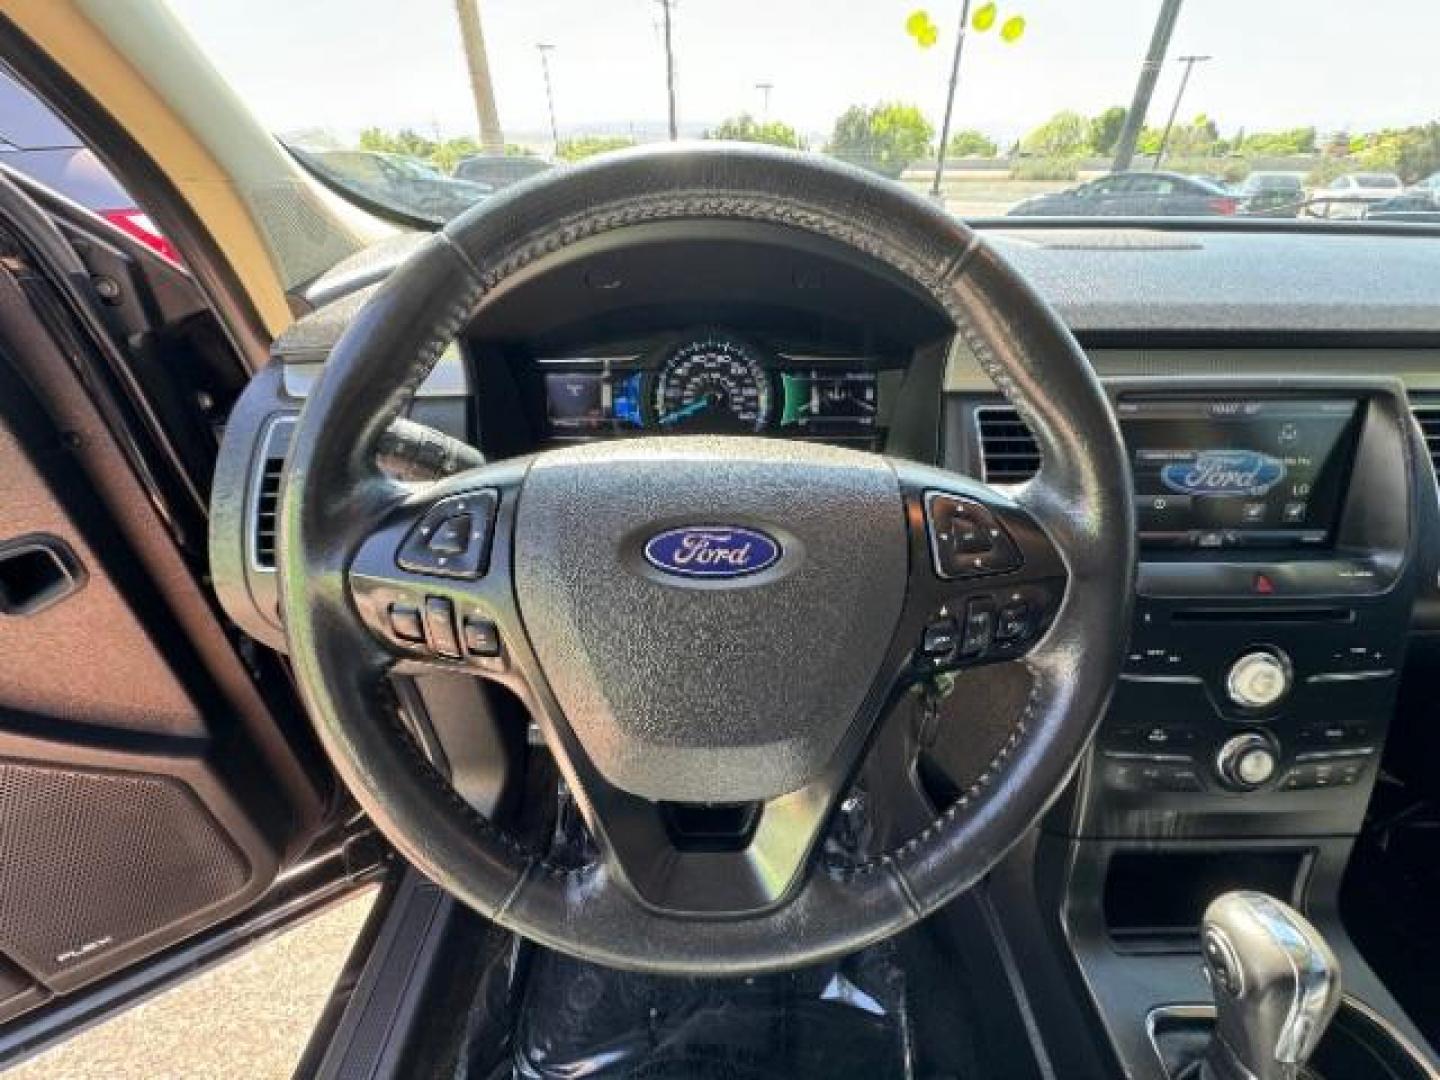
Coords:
472,39
1149,71
666,6
950,99
1189,62
765,88
545,49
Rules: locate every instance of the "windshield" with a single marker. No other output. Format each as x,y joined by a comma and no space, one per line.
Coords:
1220,108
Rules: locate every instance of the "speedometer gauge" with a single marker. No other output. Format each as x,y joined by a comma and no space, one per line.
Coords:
714,384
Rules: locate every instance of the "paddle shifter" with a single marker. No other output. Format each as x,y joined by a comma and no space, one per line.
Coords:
1276,986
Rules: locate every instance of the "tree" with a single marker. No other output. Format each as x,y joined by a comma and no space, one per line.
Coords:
586,146
405,141
884,138
1105,129
451,152
1066,134
1420,152
1279,143
971,143
745,128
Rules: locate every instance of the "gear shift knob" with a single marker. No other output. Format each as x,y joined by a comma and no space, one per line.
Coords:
1276,984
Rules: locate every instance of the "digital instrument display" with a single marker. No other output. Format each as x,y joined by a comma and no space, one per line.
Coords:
1230,473
712,382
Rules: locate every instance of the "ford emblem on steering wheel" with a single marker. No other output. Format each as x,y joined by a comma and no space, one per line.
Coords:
721,551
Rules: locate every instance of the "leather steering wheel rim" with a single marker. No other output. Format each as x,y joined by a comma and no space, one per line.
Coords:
334,494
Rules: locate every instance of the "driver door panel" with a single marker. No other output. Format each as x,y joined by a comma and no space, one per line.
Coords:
148,792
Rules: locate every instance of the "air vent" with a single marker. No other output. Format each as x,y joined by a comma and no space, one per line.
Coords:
267,512
1008,454
265,500
1428,417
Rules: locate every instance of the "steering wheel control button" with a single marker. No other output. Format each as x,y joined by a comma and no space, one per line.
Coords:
481,637
979,632
453,538
1247,761
406,624
966,539
1014,623
940,639
440,621
1258,680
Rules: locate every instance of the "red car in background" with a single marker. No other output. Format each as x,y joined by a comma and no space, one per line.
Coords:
38,144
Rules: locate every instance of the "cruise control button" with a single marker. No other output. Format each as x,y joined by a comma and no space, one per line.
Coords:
405,623
440,621
1014,624
940,638
979,632
481,637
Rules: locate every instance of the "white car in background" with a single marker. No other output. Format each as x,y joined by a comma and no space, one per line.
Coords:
1348,196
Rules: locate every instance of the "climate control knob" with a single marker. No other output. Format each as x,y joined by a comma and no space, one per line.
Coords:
1246,761
1258,679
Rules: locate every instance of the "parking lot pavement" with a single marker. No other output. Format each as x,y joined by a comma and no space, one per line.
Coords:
248,1019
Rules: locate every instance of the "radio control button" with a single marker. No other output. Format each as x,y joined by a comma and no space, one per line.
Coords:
1258,680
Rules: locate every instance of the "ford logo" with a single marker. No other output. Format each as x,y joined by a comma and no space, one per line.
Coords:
720,551
1224,472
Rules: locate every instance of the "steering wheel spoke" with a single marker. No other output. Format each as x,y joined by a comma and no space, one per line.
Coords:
986,581
432,580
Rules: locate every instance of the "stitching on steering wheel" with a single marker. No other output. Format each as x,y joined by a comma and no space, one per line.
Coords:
993,768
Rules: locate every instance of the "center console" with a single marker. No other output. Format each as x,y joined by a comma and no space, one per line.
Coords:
1280,525
1273,604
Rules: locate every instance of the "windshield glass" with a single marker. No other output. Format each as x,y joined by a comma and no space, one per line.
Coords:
1053,108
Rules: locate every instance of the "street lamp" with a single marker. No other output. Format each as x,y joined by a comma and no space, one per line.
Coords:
545,49
765,88
1189,62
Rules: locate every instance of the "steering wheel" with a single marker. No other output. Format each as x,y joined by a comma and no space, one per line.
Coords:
704,625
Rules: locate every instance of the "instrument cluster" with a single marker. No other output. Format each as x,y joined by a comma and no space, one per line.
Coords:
713,381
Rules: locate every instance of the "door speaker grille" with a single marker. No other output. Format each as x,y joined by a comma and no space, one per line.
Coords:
92,861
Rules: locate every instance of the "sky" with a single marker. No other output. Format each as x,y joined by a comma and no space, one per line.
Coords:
343,65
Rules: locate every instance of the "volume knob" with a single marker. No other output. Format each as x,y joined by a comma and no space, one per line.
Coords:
1258,680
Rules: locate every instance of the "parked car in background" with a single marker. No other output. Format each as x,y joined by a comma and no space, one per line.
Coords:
500,170
1414,206
1350,195
36,142
1138,194
396,183
1272,194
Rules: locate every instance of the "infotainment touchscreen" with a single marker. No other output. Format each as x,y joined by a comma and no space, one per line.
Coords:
1221,473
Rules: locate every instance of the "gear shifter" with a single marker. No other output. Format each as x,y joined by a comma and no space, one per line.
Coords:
1276,984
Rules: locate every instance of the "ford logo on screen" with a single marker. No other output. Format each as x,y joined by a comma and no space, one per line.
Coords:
712,552
1224,472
